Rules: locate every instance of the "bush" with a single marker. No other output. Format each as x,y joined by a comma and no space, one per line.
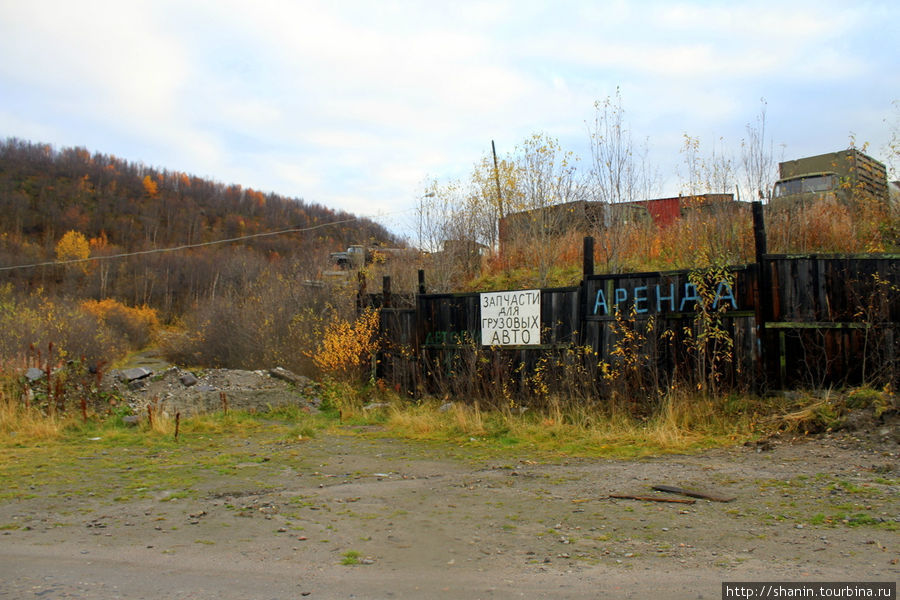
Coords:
37,321
274,320
136,325
348,347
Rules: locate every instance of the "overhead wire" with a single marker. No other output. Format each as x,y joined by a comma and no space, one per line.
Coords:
177,248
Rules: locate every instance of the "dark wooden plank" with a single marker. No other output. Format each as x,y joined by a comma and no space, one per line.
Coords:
693,493
652,498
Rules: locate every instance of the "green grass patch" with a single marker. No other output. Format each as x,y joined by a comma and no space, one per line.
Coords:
858,519
104,458
847,486
168,497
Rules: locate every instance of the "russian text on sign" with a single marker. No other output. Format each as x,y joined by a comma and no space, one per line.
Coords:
511,318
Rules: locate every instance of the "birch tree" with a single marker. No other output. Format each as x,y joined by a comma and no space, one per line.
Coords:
619,170
758,158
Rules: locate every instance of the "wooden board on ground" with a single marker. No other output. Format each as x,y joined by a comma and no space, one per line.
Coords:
693,494
652,498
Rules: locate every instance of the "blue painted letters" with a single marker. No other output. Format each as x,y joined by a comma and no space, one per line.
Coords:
665,295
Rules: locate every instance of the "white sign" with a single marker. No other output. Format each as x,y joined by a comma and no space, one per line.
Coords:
511,318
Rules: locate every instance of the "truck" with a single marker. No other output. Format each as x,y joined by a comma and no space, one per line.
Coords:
351,259
848,176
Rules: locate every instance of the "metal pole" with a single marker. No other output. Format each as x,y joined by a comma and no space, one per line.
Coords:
497,181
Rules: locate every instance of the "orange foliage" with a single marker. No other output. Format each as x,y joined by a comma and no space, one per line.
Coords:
99,243
257,198
137,324
714,235
150,186
824,226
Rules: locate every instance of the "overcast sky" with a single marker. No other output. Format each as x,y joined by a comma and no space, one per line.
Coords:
354,105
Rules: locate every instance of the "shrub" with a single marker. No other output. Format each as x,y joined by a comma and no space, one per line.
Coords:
38,321
135,324
273,320
348,347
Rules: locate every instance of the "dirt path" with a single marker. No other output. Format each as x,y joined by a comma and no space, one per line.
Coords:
275,519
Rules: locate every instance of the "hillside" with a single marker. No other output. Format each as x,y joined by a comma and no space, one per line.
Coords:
125,207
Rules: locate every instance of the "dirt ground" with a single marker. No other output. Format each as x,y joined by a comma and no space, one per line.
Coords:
278,518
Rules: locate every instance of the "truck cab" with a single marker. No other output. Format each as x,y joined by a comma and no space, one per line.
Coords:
848,176
814,183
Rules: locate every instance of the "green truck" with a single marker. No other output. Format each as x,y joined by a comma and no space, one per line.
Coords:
848,176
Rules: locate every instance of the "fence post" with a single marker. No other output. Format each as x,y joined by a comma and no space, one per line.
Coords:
759,231
386,291
419,378
360,292
588,263
764,291
587,271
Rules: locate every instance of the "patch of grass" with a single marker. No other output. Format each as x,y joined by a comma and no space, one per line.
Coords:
175,496
681,424
22,423
862,519
878,400
824,410
854,520
350,557
847,486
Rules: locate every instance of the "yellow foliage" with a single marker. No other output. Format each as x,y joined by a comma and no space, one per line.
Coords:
73,246
347,347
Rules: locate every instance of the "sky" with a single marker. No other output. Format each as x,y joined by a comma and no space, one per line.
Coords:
357,105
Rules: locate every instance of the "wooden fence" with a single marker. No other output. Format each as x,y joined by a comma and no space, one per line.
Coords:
785,321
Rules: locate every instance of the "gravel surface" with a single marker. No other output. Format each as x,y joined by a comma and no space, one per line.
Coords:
358,515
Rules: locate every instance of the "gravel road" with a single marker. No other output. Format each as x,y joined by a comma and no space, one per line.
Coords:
357,515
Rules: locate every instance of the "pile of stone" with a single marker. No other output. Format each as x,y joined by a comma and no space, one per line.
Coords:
176,390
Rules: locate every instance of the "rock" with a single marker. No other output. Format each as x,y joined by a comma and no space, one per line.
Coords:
889,432
131,420
376,405
188,379
446,406
205,388
33,374
285,375
135,374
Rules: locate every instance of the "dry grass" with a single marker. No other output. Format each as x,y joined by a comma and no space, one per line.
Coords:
433,419
682,420
23,423
681,423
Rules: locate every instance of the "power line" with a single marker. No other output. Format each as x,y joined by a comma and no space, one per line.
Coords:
177,248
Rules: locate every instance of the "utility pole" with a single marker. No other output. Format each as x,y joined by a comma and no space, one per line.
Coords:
497,181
